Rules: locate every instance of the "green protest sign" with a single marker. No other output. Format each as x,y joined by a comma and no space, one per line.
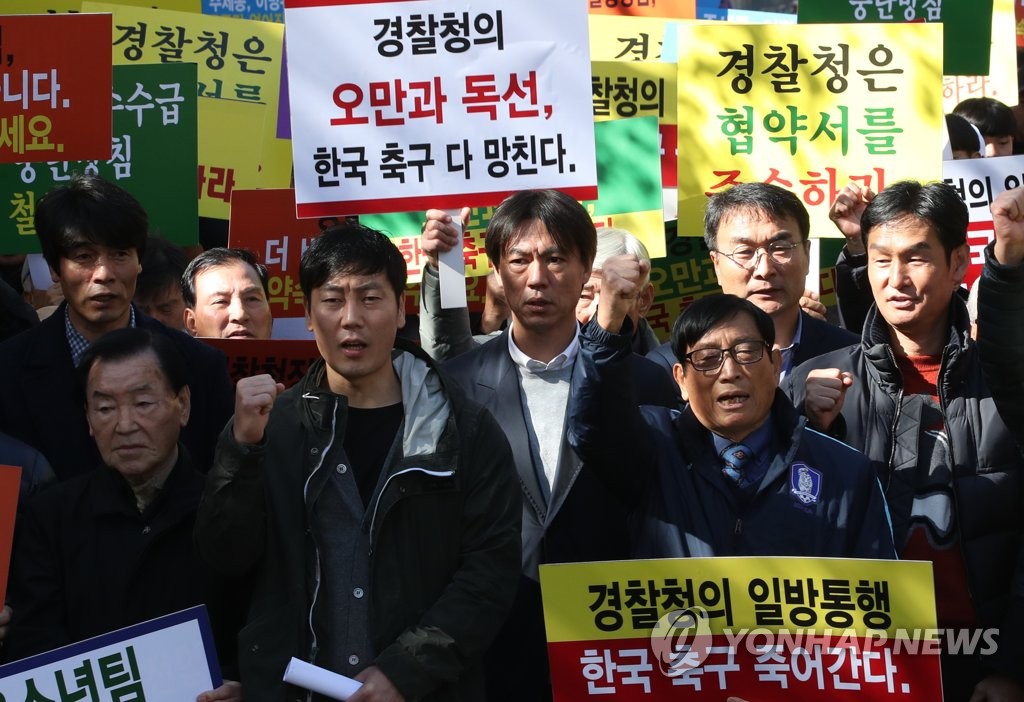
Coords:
154,146
967,26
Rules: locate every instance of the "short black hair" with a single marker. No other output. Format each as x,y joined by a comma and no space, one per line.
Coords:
351,248
219,256
937,204
766,199
92,209
707,313
162,265
128,343
991,117
962,136
565,219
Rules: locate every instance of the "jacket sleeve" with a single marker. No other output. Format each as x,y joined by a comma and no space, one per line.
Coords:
455,631
444,333
36,593
605,426
853,292
230,531
1001,338
1001,345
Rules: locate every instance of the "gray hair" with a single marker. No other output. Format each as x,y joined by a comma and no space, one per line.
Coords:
612,241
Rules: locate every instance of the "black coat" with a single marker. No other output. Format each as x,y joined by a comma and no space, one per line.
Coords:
985,443
86,562
583,521
42,406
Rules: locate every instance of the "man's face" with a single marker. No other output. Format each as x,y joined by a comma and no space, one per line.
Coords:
98,283
230,304
998,146
166,305
542,282
775,288
134,415
590,298
910,278
736,399
355,319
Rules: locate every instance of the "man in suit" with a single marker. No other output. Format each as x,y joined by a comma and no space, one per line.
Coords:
92,234
758,237
542,244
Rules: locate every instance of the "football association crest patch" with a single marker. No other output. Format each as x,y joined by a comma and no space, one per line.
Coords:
805,483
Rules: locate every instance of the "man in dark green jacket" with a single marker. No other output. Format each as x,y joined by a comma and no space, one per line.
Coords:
376,508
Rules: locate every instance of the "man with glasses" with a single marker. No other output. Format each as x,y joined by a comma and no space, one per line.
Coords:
737,472
757,234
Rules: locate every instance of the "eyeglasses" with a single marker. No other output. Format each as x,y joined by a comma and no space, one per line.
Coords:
747,257
710,360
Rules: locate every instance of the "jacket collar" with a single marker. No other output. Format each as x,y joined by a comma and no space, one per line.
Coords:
181,491
878,348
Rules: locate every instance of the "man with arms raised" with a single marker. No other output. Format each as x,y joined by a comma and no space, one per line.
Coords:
940,416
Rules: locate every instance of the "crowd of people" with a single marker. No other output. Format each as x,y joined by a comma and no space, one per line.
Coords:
386,516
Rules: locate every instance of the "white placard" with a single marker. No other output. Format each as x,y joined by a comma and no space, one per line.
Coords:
403,106
168,659
320,680
978,181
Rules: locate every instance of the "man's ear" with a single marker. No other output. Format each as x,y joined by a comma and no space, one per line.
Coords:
189,316
401,310
959,261
185,404
678,373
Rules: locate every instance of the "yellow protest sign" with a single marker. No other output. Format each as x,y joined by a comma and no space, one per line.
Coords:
808,107
227,159
633,89
239,62
758,628
615,38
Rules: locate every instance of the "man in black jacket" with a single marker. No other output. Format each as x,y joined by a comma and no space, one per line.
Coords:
374,506
940,416
92,233
113,547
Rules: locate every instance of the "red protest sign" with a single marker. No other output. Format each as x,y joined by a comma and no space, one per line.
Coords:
10,480
56,82
287,360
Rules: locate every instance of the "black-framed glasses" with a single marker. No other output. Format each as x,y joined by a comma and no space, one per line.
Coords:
710,360
747,257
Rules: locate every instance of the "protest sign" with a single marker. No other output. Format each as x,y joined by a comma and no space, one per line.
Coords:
677,9
36,7
286,360
168,659
264,222
630,198
56,78
615,38
262,10
755,628
966,26
1001,81
438,105
808,107
10,482
238,65
152,155
977,181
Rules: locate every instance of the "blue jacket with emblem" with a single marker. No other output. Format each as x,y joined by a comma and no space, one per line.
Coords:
662,462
